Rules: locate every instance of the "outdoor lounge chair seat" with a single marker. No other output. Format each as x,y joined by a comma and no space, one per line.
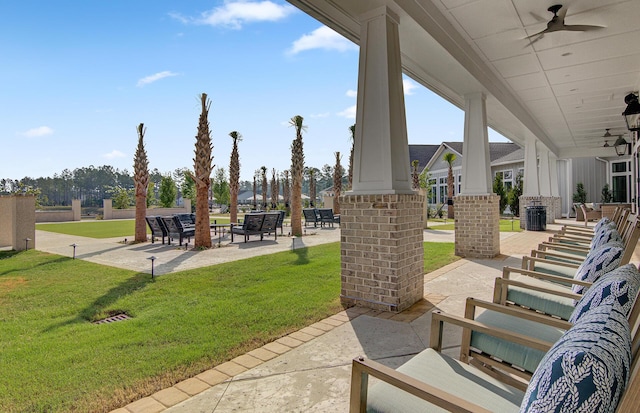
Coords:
175,229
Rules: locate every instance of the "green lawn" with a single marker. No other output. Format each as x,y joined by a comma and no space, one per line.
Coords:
103,229
53,359
506,225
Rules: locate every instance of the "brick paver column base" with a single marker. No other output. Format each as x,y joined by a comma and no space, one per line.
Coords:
477,223
382,250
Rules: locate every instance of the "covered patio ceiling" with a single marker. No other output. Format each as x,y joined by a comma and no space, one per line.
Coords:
564,88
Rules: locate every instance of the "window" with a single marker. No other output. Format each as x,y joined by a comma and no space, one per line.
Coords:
459,183
619,167
434,191
443,190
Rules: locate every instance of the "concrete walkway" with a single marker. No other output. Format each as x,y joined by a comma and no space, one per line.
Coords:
308,370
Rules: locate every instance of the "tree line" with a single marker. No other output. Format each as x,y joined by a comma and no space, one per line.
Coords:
92,184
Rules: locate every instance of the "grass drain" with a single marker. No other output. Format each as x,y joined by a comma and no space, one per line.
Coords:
113,319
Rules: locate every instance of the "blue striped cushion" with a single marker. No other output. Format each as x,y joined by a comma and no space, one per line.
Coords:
586,370
598,262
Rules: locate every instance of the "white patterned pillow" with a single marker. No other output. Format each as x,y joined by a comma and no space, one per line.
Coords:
599,224
598,262
618,288
605,236
586,370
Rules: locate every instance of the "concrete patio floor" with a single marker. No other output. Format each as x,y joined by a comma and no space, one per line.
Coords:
308,370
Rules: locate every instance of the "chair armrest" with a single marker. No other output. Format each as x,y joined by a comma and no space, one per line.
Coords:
545,253
528,261
565,247
362,368
500,292
438,319
506,271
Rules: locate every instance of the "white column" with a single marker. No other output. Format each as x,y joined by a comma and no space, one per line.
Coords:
381,164
553,175
544,173
476,164
531,187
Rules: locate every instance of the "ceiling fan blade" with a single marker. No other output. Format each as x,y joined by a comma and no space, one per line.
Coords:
562,12
540,33
581,27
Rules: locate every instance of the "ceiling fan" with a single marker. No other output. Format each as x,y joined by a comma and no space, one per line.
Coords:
556,24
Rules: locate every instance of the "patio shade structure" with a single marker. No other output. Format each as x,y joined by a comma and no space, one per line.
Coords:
552,93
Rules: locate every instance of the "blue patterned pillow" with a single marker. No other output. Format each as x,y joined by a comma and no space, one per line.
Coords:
605,235
598,262
586,370
618,288
599,224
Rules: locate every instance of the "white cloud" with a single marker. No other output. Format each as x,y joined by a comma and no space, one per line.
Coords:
37,132
352,93
322,38
234,14
349,113
114,154
408,86
155,77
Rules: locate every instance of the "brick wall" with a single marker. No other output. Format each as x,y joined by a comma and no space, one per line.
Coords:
382,252
477,223
553,204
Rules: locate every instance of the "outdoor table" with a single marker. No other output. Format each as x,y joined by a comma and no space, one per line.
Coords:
220,232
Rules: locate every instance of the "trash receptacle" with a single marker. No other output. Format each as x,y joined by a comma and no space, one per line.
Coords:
536,218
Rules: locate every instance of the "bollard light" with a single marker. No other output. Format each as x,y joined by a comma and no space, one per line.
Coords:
152,258
74,250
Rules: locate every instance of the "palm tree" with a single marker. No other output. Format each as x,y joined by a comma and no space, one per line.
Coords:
274,189
141,180
415,177
337,184
352,129
263,170
311,171
203,165
234,176
286,190
450,158
255,190
297,168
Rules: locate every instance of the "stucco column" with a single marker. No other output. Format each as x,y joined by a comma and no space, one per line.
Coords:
544,173
531,186
381,217
381,149
476,164
477,209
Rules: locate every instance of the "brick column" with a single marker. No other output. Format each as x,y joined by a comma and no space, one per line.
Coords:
382,250
553,204
477,226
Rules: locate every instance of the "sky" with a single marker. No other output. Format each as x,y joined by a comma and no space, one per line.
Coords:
77,77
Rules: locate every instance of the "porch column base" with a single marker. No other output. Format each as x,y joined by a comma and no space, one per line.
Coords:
477,226
382,255
553,204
